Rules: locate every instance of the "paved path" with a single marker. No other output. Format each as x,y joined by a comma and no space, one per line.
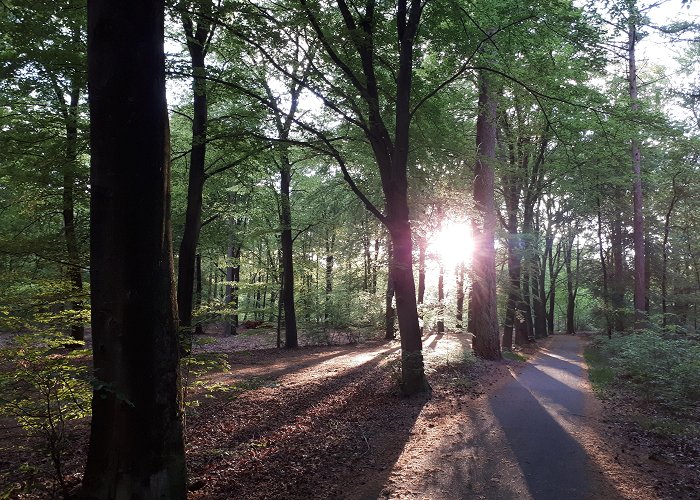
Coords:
540,412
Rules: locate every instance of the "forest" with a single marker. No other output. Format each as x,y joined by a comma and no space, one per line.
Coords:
294,249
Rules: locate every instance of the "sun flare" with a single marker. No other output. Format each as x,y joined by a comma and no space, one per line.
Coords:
453,244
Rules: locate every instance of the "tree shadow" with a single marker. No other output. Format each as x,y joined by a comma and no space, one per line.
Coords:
554,464
287,443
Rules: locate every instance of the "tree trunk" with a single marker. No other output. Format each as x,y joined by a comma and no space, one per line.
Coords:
460,297
441,300
486,342
604,270
196,44
664,247
73,251
422,247
136,436
330,243
290,316
640,288
389,311
618,293
538,294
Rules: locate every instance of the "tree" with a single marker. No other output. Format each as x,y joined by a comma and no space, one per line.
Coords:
487,342
136,436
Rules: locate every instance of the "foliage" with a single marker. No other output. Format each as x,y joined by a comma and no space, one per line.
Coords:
44,386
660,367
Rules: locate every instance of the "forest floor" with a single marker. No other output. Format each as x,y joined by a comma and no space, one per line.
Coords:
328,422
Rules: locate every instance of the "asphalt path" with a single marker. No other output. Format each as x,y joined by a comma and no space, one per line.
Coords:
542,412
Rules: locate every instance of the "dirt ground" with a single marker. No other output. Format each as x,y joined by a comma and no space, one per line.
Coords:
328,422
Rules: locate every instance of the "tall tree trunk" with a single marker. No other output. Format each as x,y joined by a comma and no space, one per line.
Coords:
196,45
570,297
538,294
330,243
375,266
422,248
604,270
290,316
441,300
136,435
460,296
389,311
664,247
486,342
640,287
73,251
618,292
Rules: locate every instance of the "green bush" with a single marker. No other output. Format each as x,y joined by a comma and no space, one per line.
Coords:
44,385
662,368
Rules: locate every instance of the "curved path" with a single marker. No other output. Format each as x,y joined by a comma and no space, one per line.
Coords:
543,412
534,437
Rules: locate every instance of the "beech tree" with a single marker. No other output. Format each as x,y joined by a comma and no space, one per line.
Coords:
136,435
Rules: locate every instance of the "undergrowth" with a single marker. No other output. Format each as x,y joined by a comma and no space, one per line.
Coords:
661,368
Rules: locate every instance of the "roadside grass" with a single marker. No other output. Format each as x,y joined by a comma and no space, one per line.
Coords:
514,356
600,371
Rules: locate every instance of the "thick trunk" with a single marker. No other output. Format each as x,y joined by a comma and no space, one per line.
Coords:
290,316
486,342
193,213
136,437
640,287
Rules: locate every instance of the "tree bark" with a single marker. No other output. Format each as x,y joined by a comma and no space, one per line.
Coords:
664,247
460,297
136,436
389,310
486,342
330,244
604,270
617,249
196,45
640,287
73,250
441,300
291,340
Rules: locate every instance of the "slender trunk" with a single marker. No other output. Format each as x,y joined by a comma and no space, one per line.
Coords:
664,246
618,293
540,313
136,434
640,287
290,316
422,247
460,296
570,298
486,341
375,266
604,270
366,261
330,243
196,44
389,310
73,251
441,300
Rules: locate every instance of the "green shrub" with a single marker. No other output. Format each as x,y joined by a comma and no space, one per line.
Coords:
44,386
662,368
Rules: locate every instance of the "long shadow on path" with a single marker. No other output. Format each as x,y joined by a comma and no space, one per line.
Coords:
535,411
